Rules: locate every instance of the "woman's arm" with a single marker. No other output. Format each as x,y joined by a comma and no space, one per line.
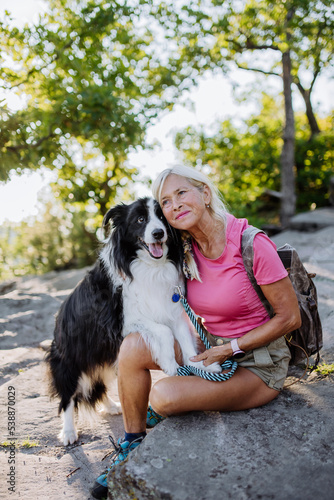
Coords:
282,298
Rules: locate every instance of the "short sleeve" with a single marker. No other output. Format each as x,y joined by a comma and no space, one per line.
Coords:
267,265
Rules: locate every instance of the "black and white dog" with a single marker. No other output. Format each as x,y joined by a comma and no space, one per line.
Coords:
129,290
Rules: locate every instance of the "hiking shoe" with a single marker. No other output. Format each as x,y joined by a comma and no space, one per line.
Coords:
118,455
153,418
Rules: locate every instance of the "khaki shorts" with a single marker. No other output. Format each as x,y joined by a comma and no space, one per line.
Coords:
270,362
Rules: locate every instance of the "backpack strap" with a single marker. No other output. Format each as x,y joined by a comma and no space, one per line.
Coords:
247,252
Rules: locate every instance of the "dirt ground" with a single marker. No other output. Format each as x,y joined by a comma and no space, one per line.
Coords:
35,463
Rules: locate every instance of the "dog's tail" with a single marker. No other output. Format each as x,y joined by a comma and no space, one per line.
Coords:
62,378
67,382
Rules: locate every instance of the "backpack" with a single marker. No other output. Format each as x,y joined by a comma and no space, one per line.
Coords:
306,340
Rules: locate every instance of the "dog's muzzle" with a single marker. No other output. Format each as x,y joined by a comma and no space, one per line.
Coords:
154,249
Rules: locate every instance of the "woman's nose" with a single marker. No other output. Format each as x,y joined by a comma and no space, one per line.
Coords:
177,204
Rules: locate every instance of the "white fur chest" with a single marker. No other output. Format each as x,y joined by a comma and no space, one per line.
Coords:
148,297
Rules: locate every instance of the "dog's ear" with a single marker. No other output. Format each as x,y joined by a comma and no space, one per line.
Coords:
121,254
115,214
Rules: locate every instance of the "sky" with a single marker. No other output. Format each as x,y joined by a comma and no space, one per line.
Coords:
213,100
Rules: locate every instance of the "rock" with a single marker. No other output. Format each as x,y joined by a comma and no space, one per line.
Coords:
281,451
314,220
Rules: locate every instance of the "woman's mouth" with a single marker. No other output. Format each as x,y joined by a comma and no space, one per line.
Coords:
182,214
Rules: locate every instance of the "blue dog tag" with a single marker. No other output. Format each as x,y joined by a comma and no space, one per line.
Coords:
176,297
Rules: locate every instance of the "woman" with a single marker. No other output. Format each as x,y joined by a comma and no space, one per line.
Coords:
218,290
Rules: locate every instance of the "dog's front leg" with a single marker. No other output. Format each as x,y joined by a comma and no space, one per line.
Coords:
160,340
187,344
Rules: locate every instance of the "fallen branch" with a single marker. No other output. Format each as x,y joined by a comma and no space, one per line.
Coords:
73,471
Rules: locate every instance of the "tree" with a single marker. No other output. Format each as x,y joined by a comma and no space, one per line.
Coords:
297,35
213,34
244,161
91,78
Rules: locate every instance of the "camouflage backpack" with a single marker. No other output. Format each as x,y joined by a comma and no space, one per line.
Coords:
306,340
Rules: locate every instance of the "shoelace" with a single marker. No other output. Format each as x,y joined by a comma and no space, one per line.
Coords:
117,448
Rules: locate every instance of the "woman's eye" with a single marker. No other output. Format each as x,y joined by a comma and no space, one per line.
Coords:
140,219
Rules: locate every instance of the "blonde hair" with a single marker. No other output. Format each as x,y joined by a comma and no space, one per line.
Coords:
216,206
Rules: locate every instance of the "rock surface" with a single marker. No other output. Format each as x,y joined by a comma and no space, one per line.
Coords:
313,221
283,450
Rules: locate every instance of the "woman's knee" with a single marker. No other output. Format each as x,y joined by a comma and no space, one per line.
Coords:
162,397
131,345
134,350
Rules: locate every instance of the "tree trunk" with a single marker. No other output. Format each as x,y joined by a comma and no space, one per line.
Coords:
288,203
306,94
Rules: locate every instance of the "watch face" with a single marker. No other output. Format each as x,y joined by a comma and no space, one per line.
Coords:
239,355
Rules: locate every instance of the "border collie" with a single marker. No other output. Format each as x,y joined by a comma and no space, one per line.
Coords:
129,290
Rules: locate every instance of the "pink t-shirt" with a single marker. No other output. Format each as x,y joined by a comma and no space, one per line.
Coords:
225,298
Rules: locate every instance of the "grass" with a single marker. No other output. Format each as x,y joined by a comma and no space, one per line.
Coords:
325,369
26,443
29,444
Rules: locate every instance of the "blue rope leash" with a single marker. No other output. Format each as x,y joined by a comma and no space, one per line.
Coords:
192,370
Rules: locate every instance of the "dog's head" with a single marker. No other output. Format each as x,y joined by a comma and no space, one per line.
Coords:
140,230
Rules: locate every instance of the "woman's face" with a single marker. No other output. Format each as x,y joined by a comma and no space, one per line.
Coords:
182,203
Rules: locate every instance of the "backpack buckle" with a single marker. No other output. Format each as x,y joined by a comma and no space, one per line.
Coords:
311,303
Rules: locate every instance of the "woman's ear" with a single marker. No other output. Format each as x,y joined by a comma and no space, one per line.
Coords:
207,194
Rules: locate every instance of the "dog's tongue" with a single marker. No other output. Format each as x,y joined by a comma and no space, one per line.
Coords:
155,250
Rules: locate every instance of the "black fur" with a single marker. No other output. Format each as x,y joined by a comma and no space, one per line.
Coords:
127,231
87,332
88,329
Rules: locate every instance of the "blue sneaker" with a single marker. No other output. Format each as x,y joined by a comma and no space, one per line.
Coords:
153,418
118,455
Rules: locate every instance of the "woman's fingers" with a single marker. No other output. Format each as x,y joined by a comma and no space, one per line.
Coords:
199,357
215,354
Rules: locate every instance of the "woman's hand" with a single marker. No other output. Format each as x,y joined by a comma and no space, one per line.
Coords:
217,354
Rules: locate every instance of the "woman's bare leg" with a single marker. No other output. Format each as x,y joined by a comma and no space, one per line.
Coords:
134,381
175,395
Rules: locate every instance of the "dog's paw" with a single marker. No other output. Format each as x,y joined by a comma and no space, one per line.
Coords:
213,368
68,437
171,370
110,407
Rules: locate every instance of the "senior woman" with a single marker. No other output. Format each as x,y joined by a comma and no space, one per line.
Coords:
218,289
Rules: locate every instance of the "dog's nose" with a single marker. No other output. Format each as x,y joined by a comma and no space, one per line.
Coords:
158,234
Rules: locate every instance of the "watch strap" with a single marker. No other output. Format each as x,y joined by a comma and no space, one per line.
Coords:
235,348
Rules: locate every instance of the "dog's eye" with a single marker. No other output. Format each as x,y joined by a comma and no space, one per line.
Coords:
140,219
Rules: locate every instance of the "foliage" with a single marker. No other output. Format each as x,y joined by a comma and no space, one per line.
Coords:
93,74
272,38
90,74
25,443
253,35
242,163
55,241
315,167
325,369
93,186
245,162
91,77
